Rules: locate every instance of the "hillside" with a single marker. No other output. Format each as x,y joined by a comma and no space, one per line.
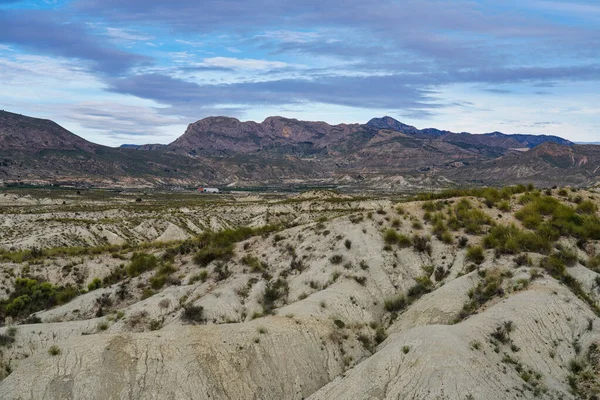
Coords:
547,164
467,294
19,132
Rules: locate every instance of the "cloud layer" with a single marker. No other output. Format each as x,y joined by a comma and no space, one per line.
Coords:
425,59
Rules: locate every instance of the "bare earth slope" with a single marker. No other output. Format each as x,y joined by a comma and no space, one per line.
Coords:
337,298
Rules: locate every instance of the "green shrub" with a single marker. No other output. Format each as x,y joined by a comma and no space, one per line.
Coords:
54,350
586,207
391,237
594,263
475,254
490,287
140,263
447,238
31,295
254,263
490,194
512,240
423,286
467,217
504,206
219,245
95,284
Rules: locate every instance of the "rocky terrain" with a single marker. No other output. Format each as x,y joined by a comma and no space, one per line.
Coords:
463,294
381,155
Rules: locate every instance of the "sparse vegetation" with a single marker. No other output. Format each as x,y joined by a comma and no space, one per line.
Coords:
475,255
31,295
193,314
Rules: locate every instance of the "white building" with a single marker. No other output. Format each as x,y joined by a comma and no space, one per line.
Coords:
208,190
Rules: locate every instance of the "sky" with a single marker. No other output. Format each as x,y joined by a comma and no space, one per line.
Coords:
139,71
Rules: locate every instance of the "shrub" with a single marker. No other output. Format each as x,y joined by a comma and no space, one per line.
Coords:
201,276
421,244
193,314
512,240
395,304
502,332
254,263
54,350
475,254
391,237
467,217
336,259
586,207
447,238
6,340
219,245
31,295
504,206
348,243
12,331
339,323
221,271
102,326
140,263
273,292
95,284
423,286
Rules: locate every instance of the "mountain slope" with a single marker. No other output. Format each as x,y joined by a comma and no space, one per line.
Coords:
281,151
19,132
547,164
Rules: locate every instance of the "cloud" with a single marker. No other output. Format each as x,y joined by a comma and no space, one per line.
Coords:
369,92
124,120
127,35
239,63
36,30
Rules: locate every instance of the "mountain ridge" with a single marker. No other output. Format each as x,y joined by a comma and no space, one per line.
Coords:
283,151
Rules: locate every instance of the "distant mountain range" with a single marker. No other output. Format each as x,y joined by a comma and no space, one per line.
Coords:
382,153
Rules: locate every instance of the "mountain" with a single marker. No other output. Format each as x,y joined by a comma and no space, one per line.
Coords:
18,132
224,135
547,164
279,151
494,139
153,146
391,123
531,140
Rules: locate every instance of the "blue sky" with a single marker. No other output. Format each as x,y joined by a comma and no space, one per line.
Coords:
138,71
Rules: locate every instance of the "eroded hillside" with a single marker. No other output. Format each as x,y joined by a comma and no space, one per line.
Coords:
468,294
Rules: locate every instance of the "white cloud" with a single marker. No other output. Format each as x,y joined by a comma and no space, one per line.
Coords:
127,35
286,36
242,63
189,43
